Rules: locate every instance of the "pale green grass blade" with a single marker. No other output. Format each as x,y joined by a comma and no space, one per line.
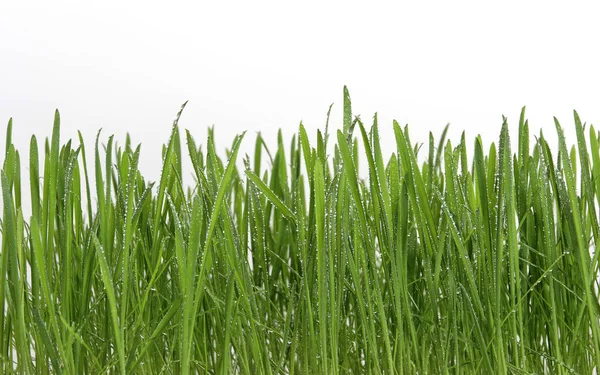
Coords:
107,279
206,259
273,198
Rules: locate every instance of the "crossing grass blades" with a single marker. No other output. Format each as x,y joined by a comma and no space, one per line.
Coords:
463,260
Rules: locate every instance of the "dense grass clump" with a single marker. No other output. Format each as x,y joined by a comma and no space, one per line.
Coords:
473,261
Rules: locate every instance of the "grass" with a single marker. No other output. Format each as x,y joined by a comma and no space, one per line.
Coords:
458,261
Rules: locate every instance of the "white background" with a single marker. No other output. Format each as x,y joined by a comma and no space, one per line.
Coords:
261,66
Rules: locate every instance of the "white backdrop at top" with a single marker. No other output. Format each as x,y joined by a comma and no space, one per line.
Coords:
261,66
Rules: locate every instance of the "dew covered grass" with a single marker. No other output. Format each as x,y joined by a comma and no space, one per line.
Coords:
450,258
